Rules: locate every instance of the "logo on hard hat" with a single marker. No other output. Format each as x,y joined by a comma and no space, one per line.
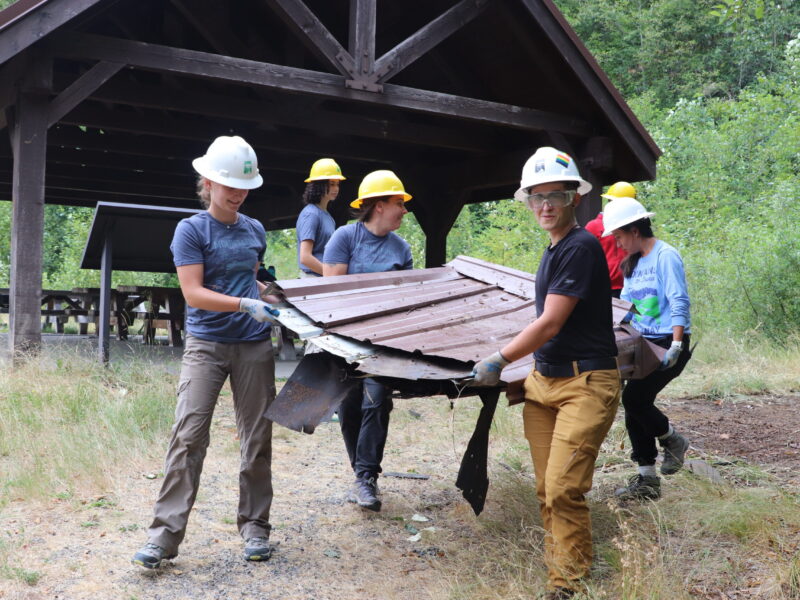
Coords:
538,166
563,160
248,167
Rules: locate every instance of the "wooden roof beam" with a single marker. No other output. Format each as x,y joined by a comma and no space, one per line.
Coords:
431,35
247,72
80,89
314,34
223,106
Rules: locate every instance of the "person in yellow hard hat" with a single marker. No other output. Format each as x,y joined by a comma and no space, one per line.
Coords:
614,254
369,246
314,224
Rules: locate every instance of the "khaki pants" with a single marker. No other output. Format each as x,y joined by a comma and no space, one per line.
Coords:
566,420
206,365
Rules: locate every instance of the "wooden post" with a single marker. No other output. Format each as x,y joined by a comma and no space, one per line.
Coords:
436,221
29,144
104,318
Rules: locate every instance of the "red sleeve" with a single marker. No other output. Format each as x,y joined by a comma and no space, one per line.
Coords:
595,226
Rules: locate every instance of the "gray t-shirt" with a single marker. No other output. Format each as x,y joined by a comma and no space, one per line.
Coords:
316,225
229,255
364,252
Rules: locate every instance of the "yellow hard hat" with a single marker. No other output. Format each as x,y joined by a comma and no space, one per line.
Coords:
325,168
621,189
380,183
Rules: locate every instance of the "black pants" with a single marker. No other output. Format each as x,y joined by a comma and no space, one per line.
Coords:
643,420
364,418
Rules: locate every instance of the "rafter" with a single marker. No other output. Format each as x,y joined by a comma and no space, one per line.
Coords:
81,88
431,35
314,34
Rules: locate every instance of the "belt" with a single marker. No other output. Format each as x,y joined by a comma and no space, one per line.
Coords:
576,367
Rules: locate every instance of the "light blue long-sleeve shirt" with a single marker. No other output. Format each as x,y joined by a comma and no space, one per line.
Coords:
657,287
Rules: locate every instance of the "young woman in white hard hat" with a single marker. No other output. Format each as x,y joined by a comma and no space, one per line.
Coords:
315,225
572,393
369,246
217,253
655,282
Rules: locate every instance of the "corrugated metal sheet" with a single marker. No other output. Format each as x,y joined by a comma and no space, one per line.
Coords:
434,323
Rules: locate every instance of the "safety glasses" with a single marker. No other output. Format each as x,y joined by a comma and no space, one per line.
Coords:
558,199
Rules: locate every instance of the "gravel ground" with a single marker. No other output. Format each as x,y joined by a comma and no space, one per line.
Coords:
76,548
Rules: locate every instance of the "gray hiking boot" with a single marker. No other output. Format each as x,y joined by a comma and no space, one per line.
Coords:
640,487
151,556
257,549
365,493
675,447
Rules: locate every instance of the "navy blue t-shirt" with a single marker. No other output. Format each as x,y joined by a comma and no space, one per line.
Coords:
316,225
365,252
229,255
576,266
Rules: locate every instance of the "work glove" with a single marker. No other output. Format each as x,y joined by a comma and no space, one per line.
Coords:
672,355
260,311
487,372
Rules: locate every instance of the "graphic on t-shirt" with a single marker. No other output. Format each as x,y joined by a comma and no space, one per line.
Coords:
646,302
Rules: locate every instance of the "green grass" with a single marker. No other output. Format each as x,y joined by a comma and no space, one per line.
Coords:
66,421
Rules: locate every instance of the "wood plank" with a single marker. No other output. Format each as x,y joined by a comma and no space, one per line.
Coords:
160,58
432,34
314,35
81,88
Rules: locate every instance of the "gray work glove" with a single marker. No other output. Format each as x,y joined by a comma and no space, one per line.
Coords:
260,311
672,355
487,372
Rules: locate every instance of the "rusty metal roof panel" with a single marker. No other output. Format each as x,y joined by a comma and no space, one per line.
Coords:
448,312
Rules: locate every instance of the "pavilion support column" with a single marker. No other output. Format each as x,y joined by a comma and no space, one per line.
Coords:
437,221
29,144
104,318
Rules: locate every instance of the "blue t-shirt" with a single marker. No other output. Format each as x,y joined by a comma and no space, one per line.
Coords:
657,287
364,252
316,225
229,255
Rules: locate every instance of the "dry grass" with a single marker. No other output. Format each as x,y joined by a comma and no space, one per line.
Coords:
70,429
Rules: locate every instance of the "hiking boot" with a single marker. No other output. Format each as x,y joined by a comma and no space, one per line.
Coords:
675,447
365,493
257,549
560,593
640,487
150,556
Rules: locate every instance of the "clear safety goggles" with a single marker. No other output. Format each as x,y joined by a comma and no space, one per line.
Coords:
558,199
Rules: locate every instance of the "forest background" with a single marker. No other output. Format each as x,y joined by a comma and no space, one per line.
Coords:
717,85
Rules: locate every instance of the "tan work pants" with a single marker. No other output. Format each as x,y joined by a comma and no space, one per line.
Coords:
206,365
566,420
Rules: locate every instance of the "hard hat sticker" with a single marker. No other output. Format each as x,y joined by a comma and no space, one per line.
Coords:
539,166
563,160
248,167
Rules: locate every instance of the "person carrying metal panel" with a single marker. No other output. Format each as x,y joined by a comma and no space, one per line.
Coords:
655,282
572,394
614,254
217,254
369,246
315,225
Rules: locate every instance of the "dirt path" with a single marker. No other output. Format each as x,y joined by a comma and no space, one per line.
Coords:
327,548
79,548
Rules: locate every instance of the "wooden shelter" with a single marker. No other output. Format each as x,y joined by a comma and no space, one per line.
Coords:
109,100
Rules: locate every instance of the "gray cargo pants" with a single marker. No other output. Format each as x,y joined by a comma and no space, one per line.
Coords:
206,365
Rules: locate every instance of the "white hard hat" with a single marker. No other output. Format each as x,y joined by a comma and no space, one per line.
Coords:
548,165
230,161
621,212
